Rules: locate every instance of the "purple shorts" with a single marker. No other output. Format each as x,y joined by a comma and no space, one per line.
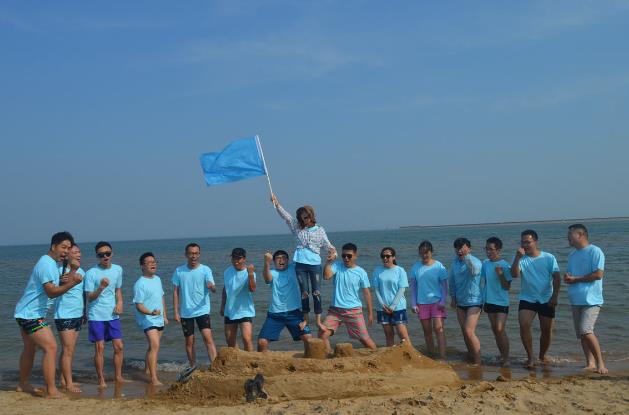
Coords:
99,331
428,311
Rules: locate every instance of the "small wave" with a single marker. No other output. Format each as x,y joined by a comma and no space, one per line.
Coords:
172,366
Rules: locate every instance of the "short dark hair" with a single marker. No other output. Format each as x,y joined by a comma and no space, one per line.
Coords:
578,227
192,245
349,247
388,248
280,252
60,237
144,256
101,244
425,245
496,241
531,233
459,242
239,253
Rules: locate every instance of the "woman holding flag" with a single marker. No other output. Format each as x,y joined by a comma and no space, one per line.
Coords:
310,239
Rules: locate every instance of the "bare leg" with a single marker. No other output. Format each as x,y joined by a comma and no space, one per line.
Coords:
153,337
68,344
595,348
118,359
546,326
472,316
389,334
209,343
525,318
99,362
190,352
590,360
27,359
430,344
246,331
45,340
498,321
324,334
263,345
368,342
402,332
231,330
437,325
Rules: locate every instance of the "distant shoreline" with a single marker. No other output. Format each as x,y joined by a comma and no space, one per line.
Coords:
574,220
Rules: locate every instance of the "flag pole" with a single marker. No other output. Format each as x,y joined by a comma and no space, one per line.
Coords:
268,179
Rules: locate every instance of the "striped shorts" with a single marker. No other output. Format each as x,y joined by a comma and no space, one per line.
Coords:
352,318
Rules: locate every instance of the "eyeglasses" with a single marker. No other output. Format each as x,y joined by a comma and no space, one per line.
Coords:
386,256
347,256
103,254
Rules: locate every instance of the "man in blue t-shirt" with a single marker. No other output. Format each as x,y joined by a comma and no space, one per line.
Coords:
538,293
584,277
347,308
237,300
192,284
30,313
103,286
285,309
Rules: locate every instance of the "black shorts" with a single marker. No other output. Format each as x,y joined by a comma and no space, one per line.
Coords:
239,320
467,307
158,328
30,326
543,309
493,308
203,322
63,324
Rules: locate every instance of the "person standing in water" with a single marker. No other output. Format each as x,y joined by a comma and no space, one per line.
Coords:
310,239
389,283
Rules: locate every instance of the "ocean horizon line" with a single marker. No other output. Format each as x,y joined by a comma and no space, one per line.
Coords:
456,225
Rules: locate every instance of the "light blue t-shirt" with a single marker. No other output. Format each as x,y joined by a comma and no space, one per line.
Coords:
102,308
194,295
537,277
149,293
464,284
428,280
494,292
70,304
583,262
285,294
387,282
347,285
34,301
239,302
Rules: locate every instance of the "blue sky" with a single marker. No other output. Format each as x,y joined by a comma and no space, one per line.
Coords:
379,115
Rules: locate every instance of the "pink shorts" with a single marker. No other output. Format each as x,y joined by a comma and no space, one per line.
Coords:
428,311
351,317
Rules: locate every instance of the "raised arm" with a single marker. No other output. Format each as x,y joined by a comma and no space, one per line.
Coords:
327,270
252,277
515,267
284,214
266,273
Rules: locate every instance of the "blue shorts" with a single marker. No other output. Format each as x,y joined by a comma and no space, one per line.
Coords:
398,317
99,331
275,323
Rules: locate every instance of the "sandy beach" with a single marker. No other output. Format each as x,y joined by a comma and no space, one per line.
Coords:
392,380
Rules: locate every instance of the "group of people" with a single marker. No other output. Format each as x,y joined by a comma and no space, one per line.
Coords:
95,297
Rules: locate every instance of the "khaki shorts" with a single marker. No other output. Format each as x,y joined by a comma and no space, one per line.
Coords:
584,317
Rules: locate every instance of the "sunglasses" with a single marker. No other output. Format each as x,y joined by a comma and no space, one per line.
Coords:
347,256
103,254
386,256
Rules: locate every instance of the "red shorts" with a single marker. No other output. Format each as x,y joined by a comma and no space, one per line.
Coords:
428,311
352,318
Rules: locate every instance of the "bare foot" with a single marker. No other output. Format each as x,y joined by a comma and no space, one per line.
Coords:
590,368
122,380
602,370
73,388
529,364
28,388
102,385
156,382
303,324
54,394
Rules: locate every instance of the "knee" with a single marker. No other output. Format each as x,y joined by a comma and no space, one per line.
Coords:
118,348
190,341
470,332
100,348
263,343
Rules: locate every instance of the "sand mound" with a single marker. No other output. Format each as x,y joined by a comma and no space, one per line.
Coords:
289,376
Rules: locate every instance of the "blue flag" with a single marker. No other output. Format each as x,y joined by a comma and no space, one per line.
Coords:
241,159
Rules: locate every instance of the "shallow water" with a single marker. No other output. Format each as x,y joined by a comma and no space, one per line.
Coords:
566,357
